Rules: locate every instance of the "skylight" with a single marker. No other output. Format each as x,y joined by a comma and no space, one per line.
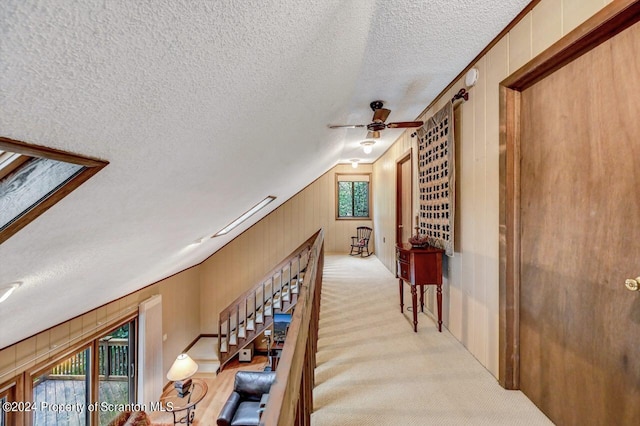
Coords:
9,161
6,158
245,216
32,178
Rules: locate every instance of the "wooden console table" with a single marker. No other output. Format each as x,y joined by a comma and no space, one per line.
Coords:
419,267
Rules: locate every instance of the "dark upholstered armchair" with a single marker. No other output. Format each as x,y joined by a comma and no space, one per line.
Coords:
243,408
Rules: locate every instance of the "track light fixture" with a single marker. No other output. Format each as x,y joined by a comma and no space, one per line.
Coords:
245,216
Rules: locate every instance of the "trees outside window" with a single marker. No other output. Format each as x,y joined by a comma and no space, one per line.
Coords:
353,196
353,199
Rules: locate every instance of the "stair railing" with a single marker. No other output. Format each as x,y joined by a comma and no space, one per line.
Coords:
251,313
291,395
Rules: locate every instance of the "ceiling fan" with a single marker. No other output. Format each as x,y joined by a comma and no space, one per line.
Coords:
378,123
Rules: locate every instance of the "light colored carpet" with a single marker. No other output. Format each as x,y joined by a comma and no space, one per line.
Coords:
374,370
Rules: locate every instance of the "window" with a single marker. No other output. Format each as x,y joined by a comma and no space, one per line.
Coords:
116,383
8,394
32,178
353,196
66,383
94,381
3,414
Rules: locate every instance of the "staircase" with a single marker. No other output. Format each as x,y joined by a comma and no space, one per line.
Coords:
205,355
245,319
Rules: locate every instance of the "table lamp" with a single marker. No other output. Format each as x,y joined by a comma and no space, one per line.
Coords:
180,372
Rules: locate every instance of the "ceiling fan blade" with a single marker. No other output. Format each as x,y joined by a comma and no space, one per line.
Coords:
404,124
346,126
373,135
381,114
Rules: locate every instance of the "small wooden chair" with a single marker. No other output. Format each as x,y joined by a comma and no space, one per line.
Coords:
360,243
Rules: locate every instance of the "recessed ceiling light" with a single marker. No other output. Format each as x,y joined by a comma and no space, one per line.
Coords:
7,289
198,241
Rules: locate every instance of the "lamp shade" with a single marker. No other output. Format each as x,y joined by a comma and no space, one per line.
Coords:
183,368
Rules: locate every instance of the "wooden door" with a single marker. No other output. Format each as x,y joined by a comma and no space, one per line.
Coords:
580,237
404,190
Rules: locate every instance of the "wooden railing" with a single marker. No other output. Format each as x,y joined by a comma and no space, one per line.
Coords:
113,355
113,359
251,313
291,396
74,366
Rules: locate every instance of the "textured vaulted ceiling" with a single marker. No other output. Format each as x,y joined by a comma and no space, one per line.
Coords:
202,109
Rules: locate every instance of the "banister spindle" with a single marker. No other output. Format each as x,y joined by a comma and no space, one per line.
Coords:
264,303
246,316
237,323
280,292
271,293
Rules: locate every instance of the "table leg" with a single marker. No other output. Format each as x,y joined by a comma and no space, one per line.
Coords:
191,415
187,419
421,298
401,287
439,296
414,305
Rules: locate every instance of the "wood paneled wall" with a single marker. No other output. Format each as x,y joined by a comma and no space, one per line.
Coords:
227,273
180,323
209,286
471,276
193,298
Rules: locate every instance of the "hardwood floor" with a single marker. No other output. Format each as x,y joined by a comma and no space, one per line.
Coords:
220,388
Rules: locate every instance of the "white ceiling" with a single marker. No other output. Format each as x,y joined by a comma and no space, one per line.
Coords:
202,108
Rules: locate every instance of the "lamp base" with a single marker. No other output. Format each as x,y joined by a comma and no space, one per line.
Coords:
182,386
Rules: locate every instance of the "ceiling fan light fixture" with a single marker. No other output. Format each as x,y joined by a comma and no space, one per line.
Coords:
367,146
373,134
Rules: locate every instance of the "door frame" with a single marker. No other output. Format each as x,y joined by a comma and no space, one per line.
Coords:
407,156
611,20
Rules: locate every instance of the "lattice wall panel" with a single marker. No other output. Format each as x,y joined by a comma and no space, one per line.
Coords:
436,175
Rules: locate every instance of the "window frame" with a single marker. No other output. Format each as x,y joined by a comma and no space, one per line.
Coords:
91,166
132,362
91,342
10,390
337,195
42,369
